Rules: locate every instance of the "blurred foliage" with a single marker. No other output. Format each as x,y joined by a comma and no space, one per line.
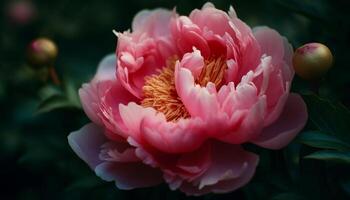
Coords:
36,115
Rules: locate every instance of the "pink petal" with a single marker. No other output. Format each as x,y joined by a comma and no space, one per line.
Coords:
197,162
249,50
146,49
151,128
153,22
194,62
86,143
231,72
250,124
185,135
118,152
110,101
188,35
106,68
291,121
270,80
88,93
199,101
271,43
89,100
132,116
128,176
231,168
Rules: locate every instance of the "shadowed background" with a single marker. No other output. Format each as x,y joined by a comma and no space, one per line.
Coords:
36,116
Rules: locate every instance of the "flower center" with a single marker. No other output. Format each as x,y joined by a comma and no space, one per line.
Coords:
160,93
213,71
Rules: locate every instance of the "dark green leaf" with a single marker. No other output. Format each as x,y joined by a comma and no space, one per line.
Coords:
321,140
332,156
49,91
54,102
288,196
328,117
72,93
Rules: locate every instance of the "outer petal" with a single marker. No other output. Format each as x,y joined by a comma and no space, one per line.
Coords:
106,68
153,22
277,69
231,168
211,18
89,92
290,122
129,175
175,166
271,43
86,143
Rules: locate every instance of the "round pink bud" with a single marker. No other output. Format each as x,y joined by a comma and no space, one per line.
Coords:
311,61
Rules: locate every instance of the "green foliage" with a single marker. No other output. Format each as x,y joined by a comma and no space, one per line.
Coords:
322,141
334,156
55,99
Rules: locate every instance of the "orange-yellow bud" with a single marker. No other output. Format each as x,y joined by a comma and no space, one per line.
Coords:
311,61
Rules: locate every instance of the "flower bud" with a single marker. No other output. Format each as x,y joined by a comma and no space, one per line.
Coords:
21,12
312,60
42,52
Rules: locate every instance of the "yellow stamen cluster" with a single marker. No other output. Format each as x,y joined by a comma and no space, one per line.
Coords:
213,71
160,93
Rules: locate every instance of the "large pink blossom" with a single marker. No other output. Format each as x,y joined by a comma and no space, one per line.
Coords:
181,96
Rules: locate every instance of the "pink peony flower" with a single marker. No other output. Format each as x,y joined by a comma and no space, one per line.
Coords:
182,96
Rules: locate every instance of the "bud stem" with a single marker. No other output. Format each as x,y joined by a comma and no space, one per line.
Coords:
54,76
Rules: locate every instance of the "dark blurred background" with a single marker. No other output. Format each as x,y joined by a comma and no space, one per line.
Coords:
36,115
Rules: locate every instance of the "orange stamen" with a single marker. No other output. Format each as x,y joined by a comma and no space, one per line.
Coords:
160,93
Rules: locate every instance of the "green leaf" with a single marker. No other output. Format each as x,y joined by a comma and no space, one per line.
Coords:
321,140
288,196
332,156
72,93
328,117
49,91
54,102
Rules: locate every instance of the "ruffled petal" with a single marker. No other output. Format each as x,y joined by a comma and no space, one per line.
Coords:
188,35
89,92
153,22
199,101
271,43
291,121
231,168
118,152
146,49
211,18
246,124
183,136
193,61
